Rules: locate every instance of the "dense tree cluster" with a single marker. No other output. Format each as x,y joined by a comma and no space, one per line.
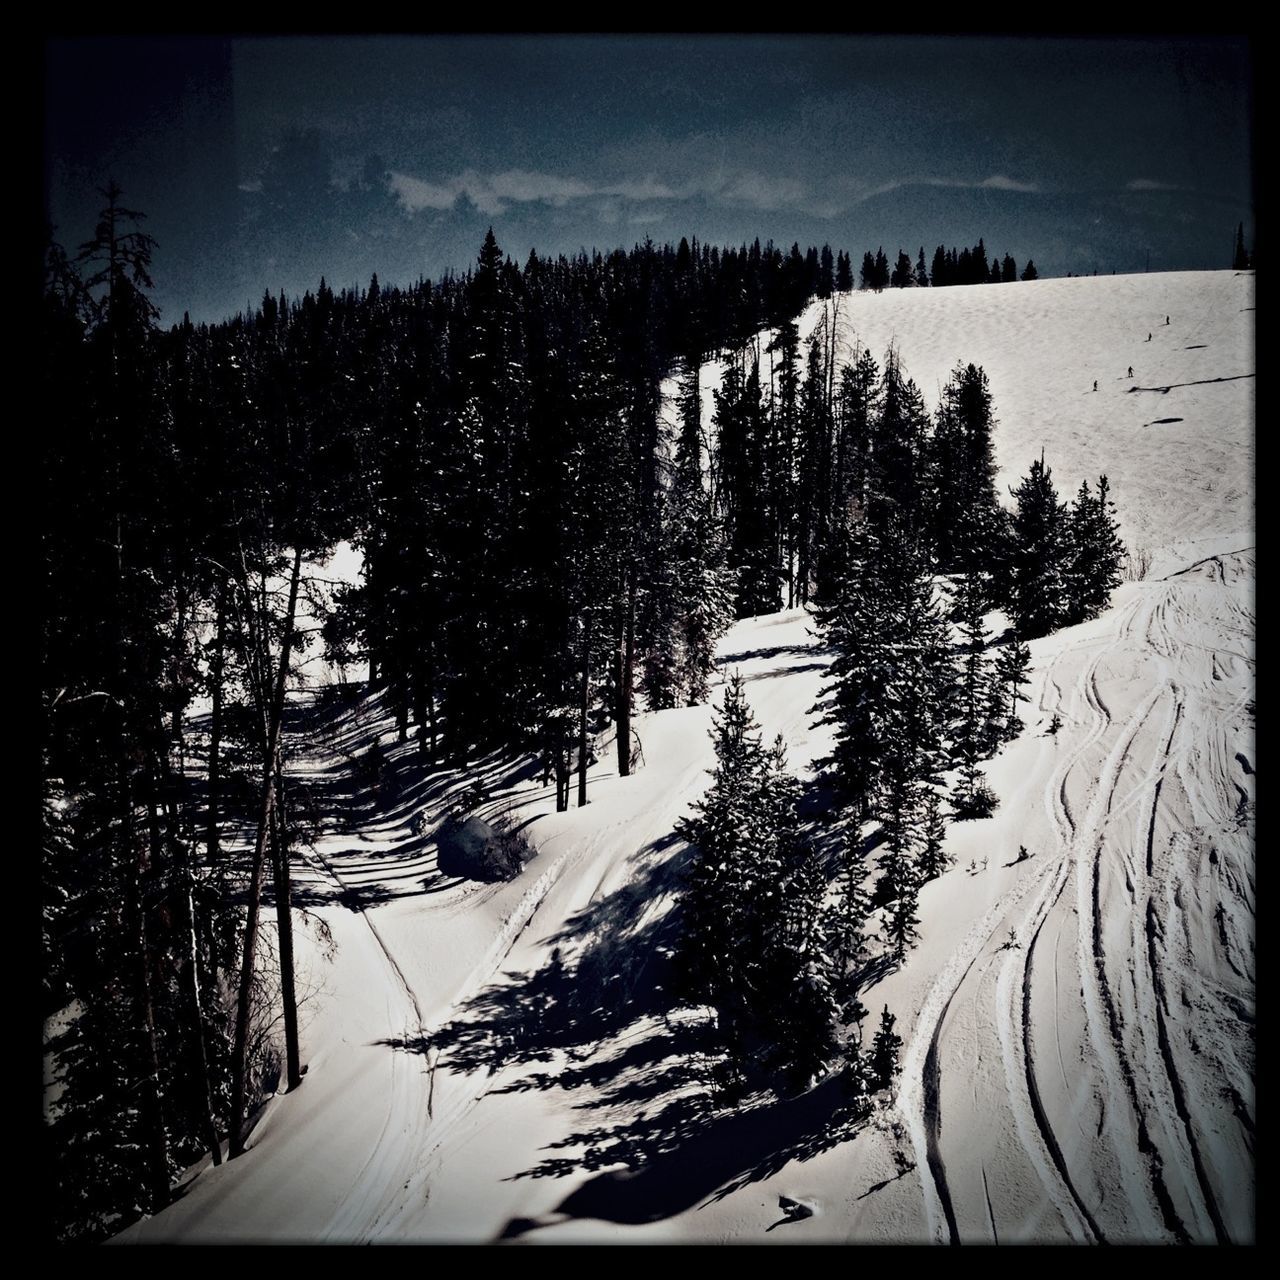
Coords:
894,530
763,946
537,547
949,267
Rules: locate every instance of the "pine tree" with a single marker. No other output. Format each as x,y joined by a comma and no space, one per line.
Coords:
801,1008
1029,272
868,272
1012,663
848,929
1039,561
902,274
749,514
884,1051
853,626
882,272
966,522
933,859
922,272
938,274
1095,552
826,273
1240,262
728,838
972,733
897,468
844,273
901,921
758,942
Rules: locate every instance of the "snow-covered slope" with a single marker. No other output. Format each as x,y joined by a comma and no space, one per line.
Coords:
1079,1025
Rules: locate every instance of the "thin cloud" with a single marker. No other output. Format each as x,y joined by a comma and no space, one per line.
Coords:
1150,184
998,182
494,193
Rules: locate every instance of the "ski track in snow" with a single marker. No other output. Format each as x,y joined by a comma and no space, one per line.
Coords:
1157,1169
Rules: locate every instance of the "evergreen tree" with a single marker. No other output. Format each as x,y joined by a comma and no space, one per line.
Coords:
1039,564
966,523
801,1008
1029,272
972,734
1240,262
826,273
854,628
813,481
758,942
722,945
1095,552
868,272
938,270
933,859
1008,269
882,272
901,922
1012,662
844,273
884,1051
898,464
701,603
890,681
922,272
848,929
902,274
857,412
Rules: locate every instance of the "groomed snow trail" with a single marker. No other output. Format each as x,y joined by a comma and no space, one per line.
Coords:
1108,912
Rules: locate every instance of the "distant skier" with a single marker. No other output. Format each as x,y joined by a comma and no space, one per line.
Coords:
1131,371
1166,319
1148,337
1095,384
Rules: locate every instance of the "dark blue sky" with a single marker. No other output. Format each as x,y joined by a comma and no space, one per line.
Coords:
265,163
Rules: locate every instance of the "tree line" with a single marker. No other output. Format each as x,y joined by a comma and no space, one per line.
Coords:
968,266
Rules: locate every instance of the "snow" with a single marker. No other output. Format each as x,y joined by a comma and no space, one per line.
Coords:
1088,1078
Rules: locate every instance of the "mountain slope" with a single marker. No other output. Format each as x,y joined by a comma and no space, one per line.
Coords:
1079,1025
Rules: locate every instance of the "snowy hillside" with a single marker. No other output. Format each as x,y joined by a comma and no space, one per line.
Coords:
1078,1061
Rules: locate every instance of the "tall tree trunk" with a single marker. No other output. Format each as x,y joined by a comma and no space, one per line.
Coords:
215,724
199,1054
239,1064
583,708
626,676
284,926
562,780
189,967
151,1105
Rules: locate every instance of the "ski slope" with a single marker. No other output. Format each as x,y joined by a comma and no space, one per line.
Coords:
499,1062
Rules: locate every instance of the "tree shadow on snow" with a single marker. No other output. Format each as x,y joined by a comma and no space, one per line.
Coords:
601,1019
